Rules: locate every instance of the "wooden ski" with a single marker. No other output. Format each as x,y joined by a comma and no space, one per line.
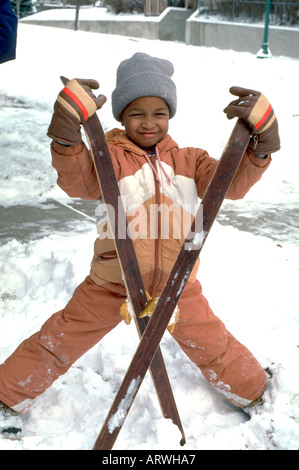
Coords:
128,260
211,203
129,264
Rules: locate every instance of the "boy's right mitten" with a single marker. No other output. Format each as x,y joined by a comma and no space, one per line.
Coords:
74,105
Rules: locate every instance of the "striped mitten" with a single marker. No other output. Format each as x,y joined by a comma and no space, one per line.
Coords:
254,107
74,105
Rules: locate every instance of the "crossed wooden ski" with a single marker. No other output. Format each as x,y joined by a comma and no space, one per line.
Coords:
129,264
128,260
147,350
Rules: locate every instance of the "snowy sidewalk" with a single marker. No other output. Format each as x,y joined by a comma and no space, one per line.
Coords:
31,222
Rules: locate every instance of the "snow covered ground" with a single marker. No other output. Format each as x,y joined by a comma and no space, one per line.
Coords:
250,277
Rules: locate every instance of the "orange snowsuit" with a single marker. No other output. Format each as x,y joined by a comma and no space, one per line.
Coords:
160,194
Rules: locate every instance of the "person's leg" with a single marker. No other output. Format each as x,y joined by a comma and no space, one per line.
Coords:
39,360
225,363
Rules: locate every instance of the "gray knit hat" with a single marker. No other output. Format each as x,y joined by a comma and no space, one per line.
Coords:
143,75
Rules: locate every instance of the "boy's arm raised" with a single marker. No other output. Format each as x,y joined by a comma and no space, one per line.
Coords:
70,157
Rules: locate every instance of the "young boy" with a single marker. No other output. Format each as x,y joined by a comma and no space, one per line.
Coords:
152,171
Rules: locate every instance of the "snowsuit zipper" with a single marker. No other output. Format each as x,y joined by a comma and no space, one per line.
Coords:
158,221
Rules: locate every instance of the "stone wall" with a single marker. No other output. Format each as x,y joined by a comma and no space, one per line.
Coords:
241,37
179,24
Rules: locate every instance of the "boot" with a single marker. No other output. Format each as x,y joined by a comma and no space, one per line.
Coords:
256,406
10,423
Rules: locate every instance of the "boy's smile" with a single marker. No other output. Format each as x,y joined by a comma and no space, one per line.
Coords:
146,121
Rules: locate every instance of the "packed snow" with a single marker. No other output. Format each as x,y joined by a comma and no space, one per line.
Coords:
250,277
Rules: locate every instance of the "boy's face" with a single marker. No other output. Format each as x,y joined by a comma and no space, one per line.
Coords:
146,121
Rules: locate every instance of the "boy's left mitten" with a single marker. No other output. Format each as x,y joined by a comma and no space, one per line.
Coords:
254,107
74,105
